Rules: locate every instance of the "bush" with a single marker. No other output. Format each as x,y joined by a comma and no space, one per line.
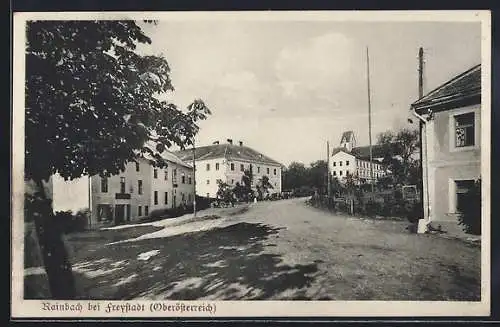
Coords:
372,208
69,223
413,211
470,218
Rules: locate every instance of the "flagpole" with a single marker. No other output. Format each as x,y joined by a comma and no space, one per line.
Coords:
369,117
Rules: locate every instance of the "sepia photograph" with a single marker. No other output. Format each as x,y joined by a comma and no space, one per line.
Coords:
251,163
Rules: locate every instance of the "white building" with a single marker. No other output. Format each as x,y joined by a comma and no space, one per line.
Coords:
136,192
451,142
227,162
355,161
141,189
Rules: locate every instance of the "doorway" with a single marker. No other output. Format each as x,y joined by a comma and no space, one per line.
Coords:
119,214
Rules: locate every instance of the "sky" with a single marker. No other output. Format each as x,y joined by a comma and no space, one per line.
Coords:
287,87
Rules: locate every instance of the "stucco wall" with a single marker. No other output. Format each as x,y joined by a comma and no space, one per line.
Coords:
447,163
131,186
203,175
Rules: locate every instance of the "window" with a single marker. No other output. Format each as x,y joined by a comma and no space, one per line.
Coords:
137,166
208,166
340,163
104,185
183,179
258,169
183,197
208,181
122,185
166,197
267,169
232,166
139,186
139,211
146,210
232,181
166,175
334,173
464,130
347,162
155,173
242,167
340,173
461,189
156,197
190,180
189,197
334,164
216,166
347,172
275,171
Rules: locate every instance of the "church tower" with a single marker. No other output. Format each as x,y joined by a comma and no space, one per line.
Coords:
348,141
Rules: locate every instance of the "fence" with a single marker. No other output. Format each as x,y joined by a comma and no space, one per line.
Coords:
382,204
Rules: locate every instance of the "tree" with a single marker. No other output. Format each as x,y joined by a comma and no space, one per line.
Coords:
263,186
246,180
294,176
398,149
92,103
317,175
224,192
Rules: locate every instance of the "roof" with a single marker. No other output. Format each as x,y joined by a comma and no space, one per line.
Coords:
462,90
347,137
229,151
166,155
363,152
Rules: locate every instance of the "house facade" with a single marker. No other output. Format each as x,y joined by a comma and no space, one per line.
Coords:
451,142
350,160
140,189
227,162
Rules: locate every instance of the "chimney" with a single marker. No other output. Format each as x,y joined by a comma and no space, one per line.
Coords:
241,143
230,141
216,142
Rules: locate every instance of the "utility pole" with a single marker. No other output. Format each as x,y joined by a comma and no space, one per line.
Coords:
194,177
369,118
328,184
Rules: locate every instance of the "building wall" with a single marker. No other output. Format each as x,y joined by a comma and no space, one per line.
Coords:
70,195
259,170
131,187
183,193
446,163
206,180
231,177
356,167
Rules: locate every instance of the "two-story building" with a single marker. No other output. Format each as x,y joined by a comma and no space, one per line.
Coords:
227,162
348,159
451,144
140,189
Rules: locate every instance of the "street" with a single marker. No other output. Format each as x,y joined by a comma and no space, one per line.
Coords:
281,250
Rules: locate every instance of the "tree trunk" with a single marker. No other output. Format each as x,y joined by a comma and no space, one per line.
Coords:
55,256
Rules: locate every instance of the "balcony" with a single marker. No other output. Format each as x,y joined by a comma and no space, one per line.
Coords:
122,196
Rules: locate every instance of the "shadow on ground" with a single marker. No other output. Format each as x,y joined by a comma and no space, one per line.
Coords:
226,263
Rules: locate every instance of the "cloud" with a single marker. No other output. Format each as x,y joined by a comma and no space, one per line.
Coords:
324,70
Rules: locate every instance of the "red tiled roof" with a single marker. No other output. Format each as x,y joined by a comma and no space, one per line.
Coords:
461,90
229,151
